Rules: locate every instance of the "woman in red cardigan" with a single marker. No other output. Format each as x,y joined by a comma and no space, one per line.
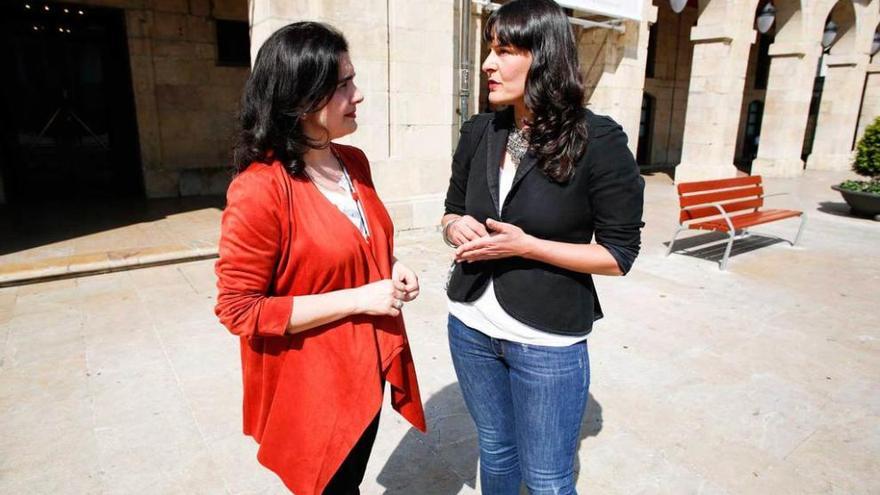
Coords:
306,276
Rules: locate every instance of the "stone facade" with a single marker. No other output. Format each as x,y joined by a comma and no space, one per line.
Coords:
701,81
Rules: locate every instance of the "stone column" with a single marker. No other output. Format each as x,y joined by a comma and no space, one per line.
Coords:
870,101
721,57
614,68
786,110
838,112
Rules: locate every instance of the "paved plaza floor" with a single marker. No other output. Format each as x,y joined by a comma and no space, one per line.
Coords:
764,379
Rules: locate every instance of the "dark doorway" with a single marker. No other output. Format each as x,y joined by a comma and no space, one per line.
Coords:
66,104
813,116
646,129
754,116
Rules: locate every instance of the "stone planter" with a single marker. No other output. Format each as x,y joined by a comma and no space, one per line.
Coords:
861,203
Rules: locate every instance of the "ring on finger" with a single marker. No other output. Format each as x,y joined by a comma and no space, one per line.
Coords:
397,304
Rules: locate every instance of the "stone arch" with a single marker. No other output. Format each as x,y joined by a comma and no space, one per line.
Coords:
843,13
789,25
875,58
867,19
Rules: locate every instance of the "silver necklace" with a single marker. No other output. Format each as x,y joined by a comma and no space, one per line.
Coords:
517,144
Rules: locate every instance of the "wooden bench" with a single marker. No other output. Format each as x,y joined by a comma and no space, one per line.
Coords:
729,206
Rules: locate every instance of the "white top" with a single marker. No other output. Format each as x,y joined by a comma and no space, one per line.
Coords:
346,202
486,314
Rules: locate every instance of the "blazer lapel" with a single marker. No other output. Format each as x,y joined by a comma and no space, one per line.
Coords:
528,162
497,143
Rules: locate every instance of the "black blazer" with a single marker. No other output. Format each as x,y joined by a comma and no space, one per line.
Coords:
604,197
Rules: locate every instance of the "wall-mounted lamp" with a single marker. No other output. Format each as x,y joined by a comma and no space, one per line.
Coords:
678,5
766,18
829,35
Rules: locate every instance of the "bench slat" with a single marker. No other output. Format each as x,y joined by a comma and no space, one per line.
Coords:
708,211
708,185
746,220
721,196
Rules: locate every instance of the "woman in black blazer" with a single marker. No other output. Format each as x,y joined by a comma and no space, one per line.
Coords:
532,186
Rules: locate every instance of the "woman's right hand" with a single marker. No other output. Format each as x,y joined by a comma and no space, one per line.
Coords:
382,298
465,229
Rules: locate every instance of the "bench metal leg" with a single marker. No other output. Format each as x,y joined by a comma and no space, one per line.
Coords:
732,236
800,231
677,231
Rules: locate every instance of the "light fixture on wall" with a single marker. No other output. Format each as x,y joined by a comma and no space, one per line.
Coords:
677,5
829,35
875,45
766,18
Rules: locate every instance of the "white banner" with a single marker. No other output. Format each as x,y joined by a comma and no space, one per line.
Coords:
625,9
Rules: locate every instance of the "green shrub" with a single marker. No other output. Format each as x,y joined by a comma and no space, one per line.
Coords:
868,186
867,161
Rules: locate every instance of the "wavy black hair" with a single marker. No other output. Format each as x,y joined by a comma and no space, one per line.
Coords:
554,91
296,72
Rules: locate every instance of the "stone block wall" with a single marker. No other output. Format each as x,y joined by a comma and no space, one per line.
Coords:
403,54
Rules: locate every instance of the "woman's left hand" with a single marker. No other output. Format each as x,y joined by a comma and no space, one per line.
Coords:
504,240
405,275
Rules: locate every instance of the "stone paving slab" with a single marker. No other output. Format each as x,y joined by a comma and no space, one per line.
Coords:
761,379
51,241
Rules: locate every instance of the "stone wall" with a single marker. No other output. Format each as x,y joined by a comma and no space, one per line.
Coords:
403,54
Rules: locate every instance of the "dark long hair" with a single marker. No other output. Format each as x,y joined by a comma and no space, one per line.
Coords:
296,72
554,90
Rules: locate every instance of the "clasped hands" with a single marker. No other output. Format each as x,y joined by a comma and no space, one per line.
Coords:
386,297
494,240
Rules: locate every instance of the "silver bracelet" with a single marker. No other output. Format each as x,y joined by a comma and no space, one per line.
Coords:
446,232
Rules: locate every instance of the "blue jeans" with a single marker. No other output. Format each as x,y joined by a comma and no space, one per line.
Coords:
527,402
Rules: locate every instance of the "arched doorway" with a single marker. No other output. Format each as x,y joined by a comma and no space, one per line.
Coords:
667,83
755,89
752,133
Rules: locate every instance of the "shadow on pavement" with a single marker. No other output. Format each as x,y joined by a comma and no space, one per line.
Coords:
841,209
710,246
30,225
838,208
445,460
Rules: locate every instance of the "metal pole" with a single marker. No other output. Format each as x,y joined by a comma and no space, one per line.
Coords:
464,65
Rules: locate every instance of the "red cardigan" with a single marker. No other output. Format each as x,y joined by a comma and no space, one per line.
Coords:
308,397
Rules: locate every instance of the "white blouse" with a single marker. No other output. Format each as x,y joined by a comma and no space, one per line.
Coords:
346,202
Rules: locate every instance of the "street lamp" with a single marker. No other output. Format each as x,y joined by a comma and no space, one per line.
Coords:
677,5
766,18
829,35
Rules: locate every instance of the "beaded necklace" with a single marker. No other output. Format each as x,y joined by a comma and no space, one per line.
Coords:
517,144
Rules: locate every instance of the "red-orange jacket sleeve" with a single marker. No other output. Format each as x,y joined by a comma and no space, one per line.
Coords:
250,244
